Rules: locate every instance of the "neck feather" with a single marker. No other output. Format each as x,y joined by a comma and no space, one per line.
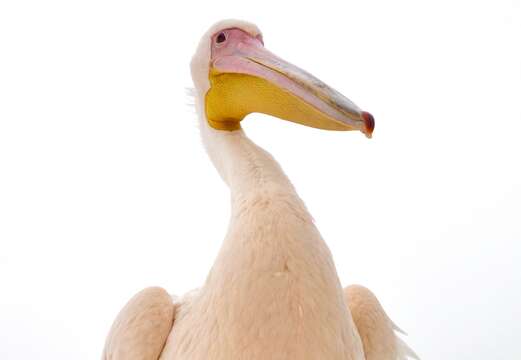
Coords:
245,167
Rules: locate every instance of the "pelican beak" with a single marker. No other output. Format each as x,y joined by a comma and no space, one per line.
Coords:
252,79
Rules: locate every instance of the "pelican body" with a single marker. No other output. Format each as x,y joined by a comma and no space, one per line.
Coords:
273,291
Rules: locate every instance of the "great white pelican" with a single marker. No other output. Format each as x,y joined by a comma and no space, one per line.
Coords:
273,291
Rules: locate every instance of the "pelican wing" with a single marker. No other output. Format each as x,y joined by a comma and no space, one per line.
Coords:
375,328
141,328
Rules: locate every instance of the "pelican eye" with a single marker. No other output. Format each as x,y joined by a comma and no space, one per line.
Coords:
221,38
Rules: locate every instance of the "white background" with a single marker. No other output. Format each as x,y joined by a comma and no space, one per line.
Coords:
105,188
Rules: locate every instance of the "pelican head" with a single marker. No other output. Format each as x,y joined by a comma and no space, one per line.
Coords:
235,75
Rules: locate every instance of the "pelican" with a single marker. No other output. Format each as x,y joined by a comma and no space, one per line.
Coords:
273,291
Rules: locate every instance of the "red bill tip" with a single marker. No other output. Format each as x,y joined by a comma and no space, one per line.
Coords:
368,122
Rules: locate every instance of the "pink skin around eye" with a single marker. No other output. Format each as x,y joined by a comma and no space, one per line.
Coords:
236,39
